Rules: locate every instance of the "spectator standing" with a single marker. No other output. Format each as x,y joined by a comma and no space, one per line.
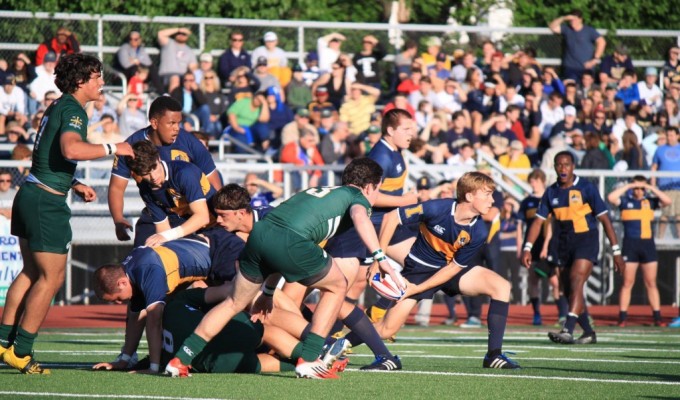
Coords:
176,56
64,42
366,62
671,68
583,46
328,49
274,55
335,83
632,152
649,91
233,57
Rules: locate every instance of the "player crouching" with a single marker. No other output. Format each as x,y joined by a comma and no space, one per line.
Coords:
450,236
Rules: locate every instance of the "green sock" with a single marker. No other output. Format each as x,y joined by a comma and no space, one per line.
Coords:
311,347
193,345
286,365
7,335
297,351
23,343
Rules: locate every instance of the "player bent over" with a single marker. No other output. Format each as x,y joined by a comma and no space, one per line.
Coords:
451,235
286,243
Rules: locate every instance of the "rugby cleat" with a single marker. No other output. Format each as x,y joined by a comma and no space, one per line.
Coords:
562,337
176,369
335,351
340,364
501,361
675,323
27,365
622,324
586,338
660,324
314,370
383,363
537,321
2,351
472,322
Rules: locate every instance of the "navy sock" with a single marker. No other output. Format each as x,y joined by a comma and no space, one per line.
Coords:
562,306
337,326
497,319
364,332
584,322
570,323
657,315
536,305
383,303
623,315
451,306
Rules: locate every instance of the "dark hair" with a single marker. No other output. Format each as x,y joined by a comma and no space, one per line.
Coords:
512,107
410,44
362,172
636,178
576,13
5,171
146,157
232,197
74,70
163,104
457,115
106,279
107,116
392,118
672,128
565,153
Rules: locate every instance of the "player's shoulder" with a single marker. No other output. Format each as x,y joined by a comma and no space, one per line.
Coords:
138,136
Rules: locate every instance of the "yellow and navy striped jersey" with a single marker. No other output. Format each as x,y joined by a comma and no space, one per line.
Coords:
184,184
394,173
576,208
440,239
638,216
155,272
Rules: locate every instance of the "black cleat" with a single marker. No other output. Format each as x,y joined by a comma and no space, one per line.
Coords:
562,337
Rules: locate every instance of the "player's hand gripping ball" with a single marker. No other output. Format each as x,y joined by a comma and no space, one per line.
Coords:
386,287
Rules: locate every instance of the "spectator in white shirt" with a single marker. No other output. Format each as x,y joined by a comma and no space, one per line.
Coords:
649,90
551,113
44,81
629,121
328,48
12,103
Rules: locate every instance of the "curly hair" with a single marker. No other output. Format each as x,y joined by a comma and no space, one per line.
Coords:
146,158
74,70
362,172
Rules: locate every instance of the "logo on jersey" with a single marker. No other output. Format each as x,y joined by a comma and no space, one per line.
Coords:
190,308
462,239
439,229
575,197
555,201
629,205
399,168
76,122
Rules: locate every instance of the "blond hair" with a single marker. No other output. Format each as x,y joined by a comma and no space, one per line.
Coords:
471,182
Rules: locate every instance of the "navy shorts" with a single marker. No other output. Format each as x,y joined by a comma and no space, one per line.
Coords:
639,251
580,246
417,273
348,244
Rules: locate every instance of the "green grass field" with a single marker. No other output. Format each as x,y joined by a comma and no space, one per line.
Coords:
439,362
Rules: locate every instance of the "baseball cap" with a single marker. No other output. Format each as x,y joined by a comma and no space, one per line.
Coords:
270,37
8,79
206,57
50,57
373,129
570,110
261,60
621,49
424,183
321,90
576,131
441,56
312,56
489,84
302,112
326,113
433,41
651,71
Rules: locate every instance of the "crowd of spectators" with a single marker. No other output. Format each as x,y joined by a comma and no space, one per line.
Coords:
505,104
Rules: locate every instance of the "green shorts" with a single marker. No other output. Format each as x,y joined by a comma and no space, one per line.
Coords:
233,349
43,219
272,248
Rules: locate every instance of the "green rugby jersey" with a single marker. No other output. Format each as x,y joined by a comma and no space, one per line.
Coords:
319,213
50,166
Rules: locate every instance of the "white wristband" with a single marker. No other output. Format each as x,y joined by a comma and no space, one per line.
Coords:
114,149
528,246
616,250
174,233
153,367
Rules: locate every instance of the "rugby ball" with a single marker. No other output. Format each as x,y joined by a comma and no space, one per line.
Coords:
386,287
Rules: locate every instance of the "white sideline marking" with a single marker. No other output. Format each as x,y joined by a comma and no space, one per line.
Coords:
103,396
510,376
593,349
674,362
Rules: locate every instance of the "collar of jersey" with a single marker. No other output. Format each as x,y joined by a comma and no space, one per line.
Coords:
387,144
